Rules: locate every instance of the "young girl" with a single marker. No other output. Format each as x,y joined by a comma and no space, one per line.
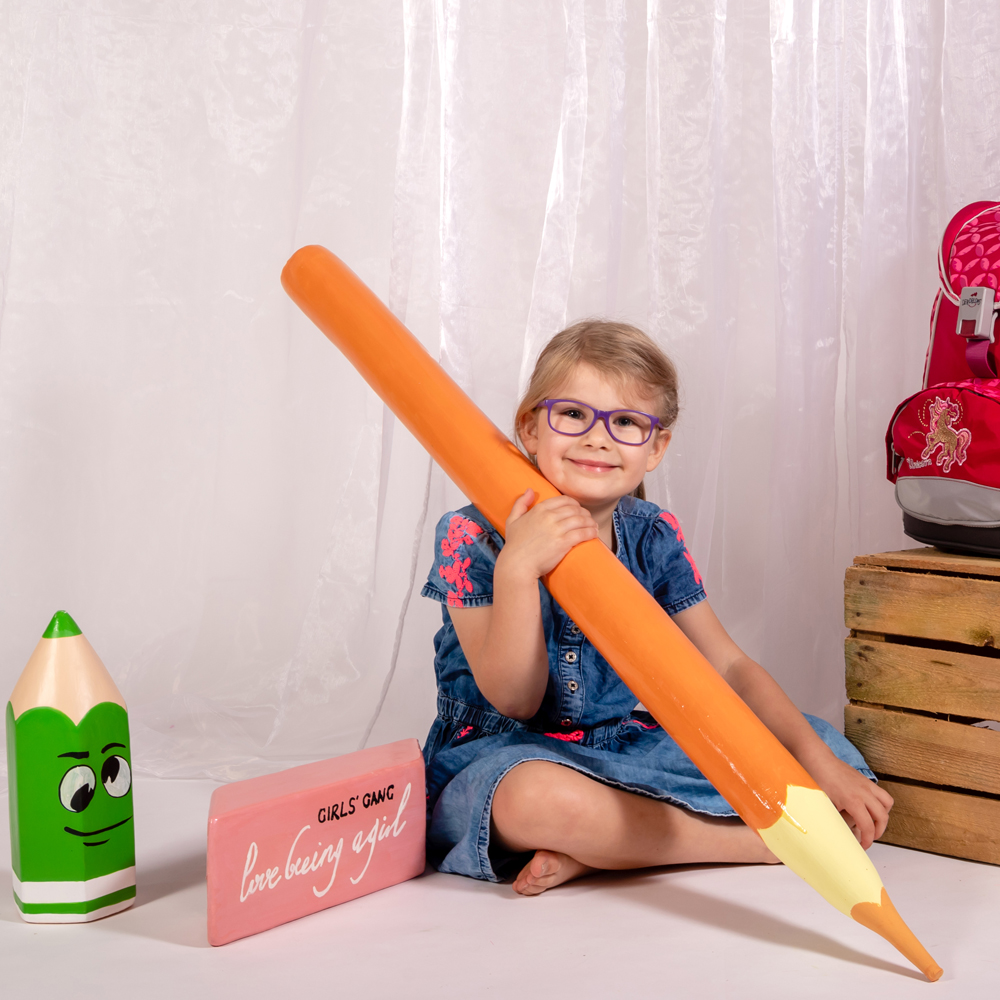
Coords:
538,764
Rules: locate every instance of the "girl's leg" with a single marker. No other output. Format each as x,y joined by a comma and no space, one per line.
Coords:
575,825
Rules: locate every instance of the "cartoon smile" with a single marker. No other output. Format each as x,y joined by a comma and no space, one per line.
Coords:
94,833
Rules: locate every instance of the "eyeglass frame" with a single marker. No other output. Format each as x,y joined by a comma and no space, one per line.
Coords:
603,415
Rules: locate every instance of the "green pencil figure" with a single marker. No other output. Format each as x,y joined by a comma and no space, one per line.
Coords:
71,835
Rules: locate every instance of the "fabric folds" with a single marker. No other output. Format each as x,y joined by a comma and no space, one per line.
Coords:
238,523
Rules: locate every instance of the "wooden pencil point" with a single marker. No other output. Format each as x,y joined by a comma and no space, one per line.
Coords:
883,919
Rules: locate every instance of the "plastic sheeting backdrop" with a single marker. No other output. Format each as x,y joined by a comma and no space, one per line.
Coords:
240,529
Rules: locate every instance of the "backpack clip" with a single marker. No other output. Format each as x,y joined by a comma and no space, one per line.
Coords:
975,323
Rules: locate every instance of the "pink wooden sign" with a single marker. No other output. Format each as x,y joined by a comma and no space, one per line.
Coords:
287,844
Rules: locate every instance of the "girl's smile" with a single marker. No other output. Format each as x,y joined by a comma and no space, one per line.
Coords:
594,466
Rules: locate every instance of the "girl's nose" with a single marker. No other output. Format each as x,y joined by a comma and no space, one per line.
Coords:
600,431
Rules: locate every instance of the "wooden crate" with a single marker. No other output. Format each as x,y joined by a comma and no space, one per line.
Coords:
923,666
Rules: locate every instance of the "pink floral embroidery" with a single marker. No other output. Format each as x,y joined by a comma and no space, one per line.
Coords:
461,531
574,737
645,725
464,732
676,525
673,522
694,569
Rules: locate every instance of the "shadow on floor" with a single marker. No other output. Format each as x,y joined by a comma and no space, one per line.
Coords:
156,881
169,902
181,920
679,901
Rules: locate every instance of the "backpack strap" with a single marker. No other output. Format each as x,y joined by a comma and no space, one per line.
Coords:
977,356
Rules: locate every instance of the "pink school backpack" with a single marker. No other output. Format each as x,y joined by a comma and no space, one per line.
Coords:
943,443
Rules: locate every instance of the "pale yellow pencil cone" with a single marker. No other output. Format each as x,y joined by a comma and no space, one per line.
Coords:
65,674
813,840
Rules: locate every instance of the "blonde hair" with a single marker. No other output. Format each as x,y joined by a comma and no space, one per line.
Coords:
618,351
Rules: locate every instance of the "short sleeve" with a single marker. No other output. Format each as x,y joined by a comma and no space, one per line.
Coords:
677,584
465,554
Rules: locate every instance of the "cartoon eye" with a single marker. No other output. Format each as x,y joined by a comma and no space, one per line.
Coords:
77,788
116,776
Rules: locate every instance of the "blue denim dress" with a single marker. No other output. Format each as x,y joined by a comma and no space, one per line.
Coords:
587,720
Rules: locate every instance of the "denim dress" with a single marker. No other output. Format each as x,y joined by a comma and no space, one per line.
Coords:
588,719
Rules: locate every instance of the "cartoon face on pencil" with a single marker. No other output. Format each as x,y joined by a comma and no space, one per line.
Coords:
81,796
79,784
325,857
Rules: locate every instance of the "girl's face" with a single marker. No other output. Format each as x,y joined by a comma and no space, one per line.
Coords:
594,469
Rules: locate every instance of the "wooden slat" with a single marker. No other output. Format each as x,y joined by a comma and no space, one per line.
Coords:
931,680
932,819
933,560
945,608
914,746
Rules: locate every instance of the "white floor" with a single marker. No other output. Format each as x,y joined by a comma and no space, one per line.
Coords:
692,932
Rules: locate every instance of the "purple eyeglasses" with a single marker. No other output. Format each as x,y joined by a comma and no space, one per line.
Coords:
574,419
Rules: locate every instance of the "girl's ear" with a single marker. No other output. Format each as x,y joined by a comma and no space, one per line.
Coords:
659,448
527,431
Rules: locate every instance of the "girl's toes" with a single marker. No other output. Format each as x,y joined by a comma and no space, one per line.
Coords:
544,866
538,874
546,870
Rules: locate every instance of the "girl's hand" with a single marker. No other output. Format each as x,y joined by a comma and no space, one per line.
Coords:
864,806
538,537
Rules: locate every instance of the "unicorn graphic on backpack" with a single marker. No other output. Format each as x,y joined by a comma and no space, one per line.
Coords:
953,441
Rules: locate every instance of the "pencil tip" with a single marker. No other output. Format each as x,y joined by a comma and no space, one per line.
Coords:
61,627
884,919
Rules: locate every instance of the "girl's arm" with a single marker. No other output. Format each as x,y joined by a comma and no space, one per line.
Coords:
862,803
504,643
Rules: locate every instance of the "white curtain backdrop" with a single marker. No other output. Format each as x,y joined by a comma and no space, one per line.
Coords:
192,471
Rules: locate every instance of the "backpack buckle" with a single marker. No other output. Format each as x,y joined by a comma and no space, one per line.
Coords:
975,314
975,323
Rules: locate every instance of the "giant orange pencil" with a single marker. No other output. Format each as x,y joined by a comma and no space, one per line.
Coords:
758,777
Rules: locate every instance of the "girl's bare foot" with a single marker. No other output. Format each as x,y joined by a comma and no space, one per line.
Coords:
546,870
